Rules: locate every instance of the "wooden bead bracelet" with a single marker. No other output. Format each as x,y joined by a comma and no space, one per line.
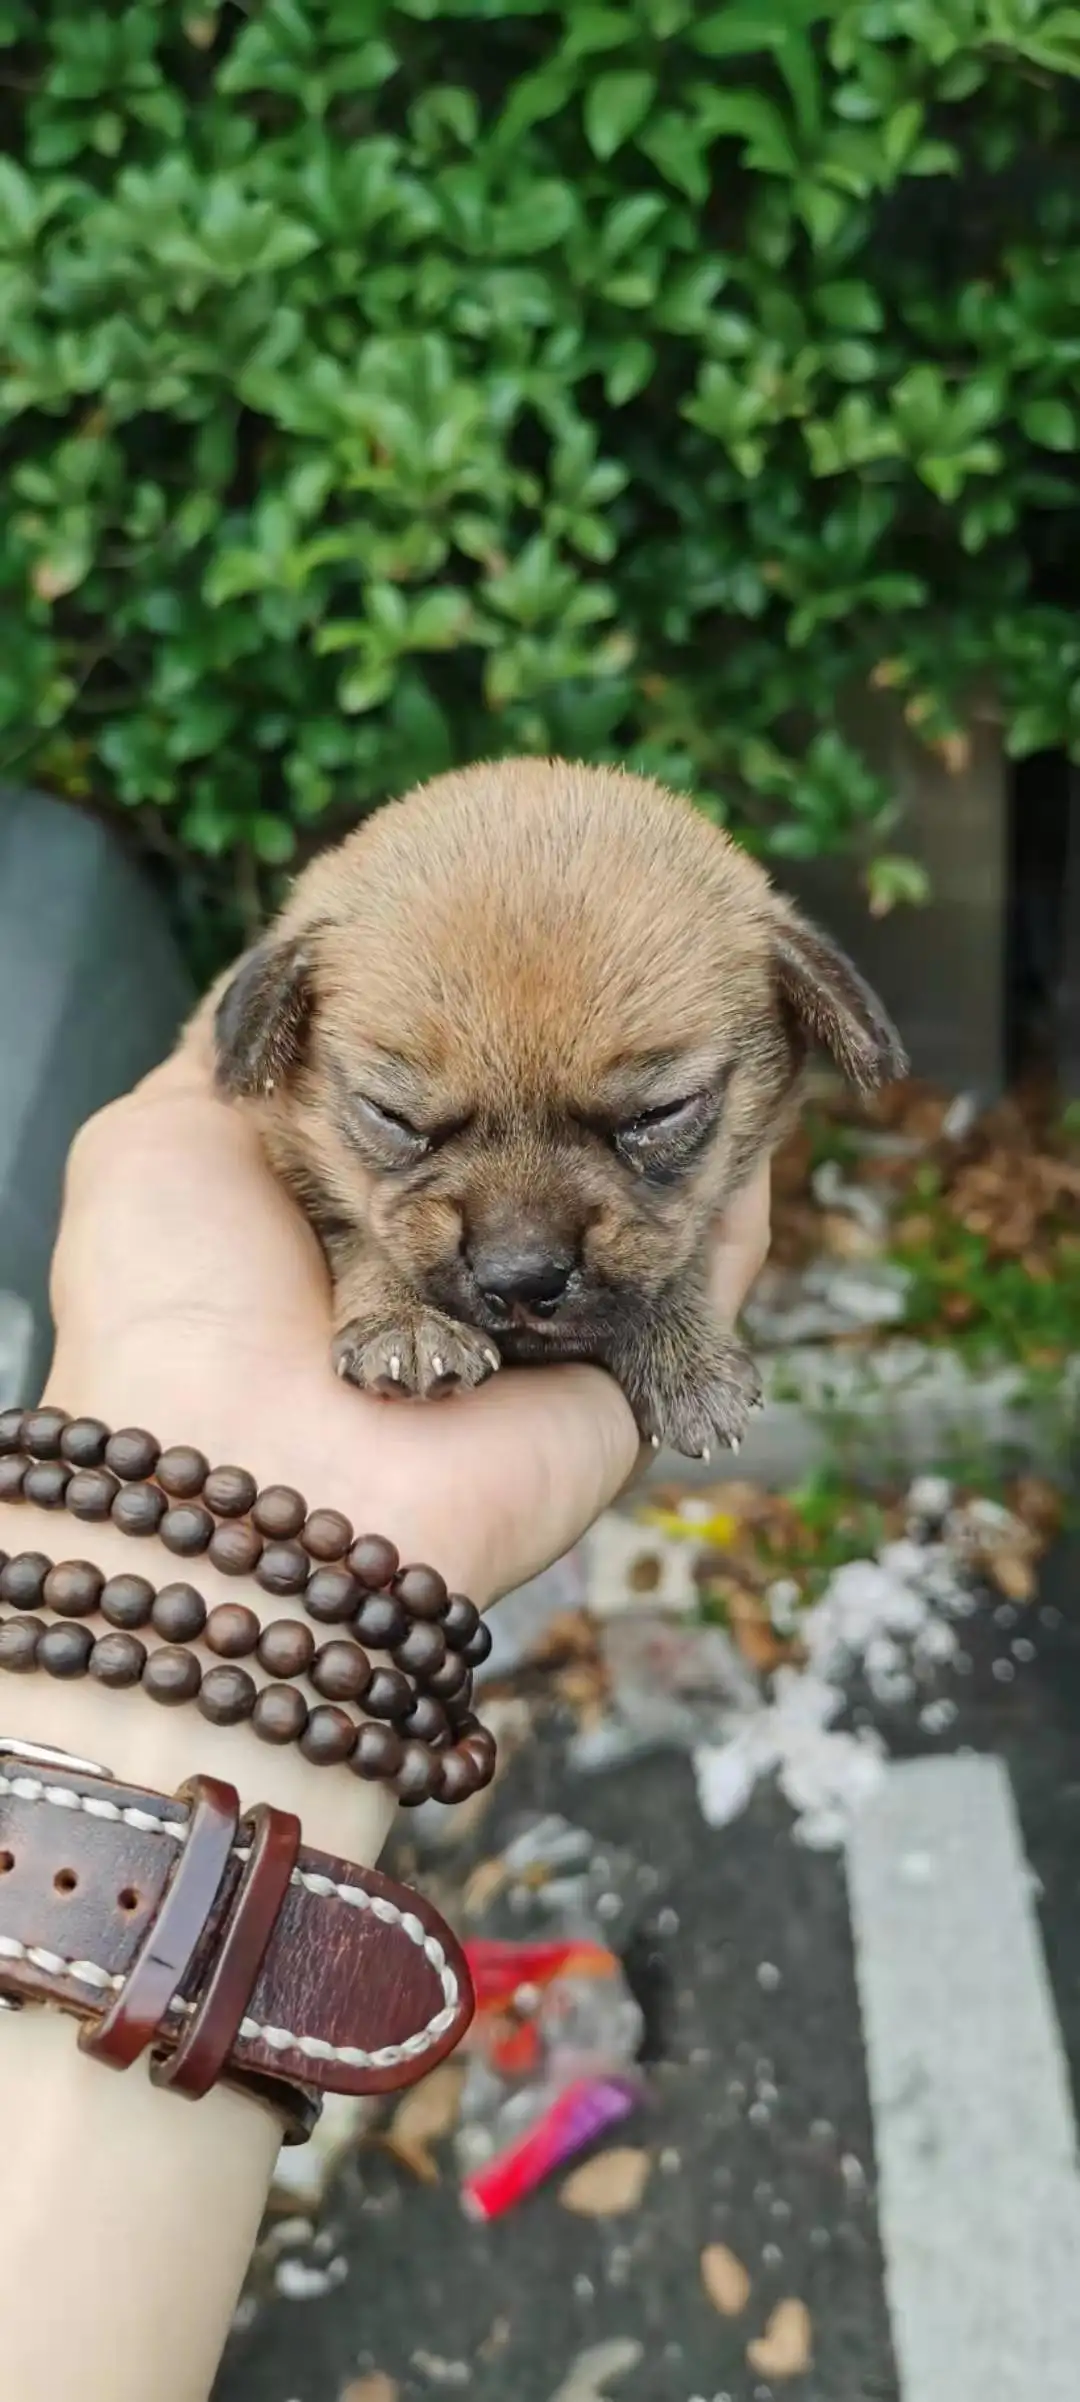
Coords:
419,1732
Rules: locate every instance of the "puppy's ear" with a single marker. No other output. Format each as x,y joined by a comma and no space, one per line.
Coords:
260,1022
832,1005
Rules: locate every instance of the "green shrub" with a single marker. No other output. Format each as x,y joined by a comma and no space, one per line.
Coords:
387,385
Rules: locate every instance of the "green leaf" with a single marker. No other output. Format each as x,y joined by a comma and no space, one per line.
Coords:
615,105
1050,423
628,371
853,308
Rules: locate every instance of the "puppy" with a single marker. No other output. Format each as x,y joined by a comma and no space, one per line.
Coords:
513,1046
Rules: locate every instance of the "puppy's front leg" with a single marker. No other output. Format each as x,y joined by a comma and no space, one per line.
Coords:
689,1381
390,1342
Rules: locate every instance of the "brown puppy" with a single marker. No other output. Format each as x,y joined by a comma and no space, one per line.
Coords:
513,1045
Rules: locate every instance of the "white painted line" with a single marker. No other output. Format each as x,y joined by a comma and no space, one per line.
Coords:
976,2144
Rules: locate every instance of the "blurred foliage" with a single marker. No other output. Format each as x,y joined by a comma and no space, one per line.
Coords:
387,385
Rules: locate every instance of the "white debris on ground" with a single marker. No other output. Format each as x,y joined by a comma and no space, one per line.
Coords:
888,1620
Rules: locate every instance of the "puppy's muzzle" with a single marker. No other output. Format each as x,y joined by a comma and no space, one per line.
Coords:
526,1278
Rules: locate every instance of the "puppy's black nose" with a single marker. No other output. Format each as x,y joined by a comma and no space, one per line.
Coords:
529,1273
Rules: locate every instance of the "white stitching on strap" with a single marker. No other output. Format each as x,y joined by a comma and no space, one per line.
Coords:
53,1965
278,2039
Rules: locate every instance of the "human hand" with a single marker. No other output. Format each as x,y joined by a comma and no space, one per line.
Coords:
191,1296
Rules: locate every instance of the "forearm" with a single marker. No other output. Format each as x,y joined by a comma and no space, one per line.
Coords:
150,2203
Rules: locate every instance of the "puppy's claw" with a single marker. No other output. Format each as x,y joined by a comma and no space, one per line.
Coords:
706,1454
656,1441
425,1354
735,1444
493,1360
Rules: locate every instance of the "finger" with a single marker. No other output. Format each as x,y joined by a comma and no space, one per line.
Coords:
533,1458
741,1244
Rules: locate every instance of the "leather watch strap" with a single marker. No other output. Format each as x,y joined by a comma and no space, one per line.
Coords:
214,1940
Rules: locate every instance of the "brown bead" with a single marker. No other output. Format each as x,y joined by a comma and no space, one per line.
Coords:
280,1714
427,1721
373,1561
326,1535
418,1776
458,1706
328,1737
12,1475
73,1589
457,1776
65,1650
11,1431
341,1671
178,1614
378,1754
422,1592
476,1650
182,1471
232,1631
230,1492
228,1695
127,1601
484,1758
331,1596
132,1454
138,1509
380,1622
83,1442
236,1548
452,1679
461,1620
478,1738
118,1661
42,1430
91,1493
283,1568
22,1579
172,1676
286,1647
45,1484
279,1512
19,1639
186,1529
423,1650
389,1694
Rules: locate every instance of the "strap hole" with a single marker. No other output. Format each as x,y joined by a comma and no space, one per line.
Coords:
128,1899
65,1881
7,1862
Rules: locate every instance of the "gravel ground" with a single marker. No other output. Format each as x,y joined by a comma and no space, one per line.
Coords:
758,2128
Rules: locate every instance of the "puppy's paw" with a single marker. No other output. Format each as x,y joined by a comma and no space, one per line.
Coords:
423,1354
707,1408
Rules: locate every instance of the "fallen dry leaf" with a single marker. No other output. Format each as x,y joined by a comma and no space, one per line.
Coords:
1011,1573
594,2370
487,1879
427,2113
785,2348
725,2280
376,2388
608,2185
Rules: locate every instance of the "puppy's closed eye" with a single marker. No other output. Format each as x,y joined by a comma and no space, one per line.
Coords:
660,1142
391,1138
386,1136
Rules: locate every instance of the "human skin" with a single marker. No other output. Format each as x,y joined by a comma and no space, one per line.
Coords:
190,1297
